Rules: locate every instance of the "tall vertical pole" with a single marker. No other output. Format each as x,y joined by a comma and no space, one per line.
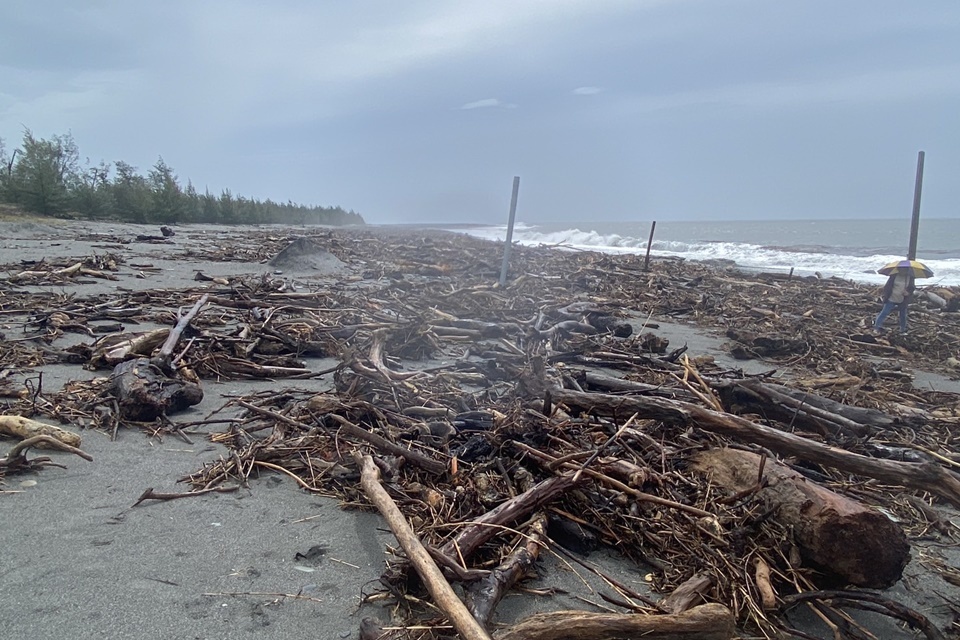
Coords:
509,244
915,220
646,259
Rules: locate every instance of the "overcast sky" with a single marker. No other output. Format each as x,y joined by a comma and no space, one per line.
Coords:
415,111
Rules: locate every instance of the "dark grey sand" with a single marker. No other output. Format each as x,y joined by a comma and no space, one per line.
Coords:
78,562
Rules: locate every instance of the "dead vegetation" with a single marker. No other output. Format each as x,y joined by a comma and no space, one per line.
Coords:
546,414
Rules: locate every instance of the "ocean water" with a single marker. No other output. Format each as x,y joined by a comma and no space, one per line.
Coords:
850,249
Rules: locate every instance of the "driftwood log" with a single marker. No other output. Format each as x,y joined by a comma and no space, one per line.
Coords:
835,533
440,590
25,428
148,388
706,622
803,408
926,476
145,393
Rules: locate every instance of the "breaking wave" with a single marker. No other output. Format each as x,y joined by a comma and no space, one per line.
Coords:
851,263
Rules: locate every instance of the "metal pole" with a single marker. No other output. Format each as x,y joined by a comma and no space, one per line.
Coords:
915,220
646,260
509,244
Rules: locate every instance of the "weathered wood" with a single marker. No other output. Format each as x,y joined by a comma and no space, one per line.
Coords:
440,590
857,420
687,595
111,350
485,595
601,382
25,428
385,446
706,622
771,402
166,351
35,441
927,476
835,533
613,482
149,388
145,393
486,526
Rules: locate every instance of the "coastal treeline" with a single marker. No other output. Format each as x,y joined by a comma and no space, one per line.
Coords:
45,176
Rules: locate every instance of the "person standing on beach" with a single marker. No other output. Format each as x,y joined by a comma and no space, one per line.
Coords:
896,294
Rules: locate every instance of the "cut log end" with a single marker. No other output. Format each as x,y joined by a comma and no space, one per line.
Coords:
833,532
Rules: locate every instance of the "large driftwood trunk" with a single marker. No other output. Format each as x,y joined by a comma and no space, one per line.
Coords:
147,388
837,534
706,622
145,393
927,476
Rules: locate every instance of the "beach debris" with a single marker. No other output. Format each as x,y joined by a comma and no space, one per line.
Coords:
548,414
25,428
148,388
94,266
16,460
853,541
150,494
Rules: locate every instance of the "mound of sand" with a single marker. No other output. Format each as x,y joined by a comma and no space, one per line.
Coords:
304,254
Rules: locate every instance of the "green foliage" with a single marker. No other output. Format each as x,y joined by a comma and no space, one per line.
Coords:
44,176
92,193
169,202
131,194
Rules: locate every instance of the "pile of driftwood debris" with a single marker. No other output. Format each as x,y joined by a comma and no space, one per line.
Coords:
489,424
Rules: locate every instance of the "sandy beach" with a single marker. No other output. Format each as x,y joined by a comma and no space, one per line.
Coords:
272,560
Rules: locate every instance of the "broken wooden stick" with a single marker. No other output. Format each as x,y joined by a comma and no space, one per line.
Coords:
688,594
485,595
481,529
16,459
441,591
640,496
150,494
165,354
424,462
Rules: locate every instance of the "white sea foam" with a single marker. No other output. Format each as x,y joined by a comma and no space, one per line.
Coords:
750,256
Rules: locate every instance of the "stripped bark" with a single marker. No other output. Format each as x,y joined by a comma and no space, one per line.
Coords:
25,428
706,622
443,595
